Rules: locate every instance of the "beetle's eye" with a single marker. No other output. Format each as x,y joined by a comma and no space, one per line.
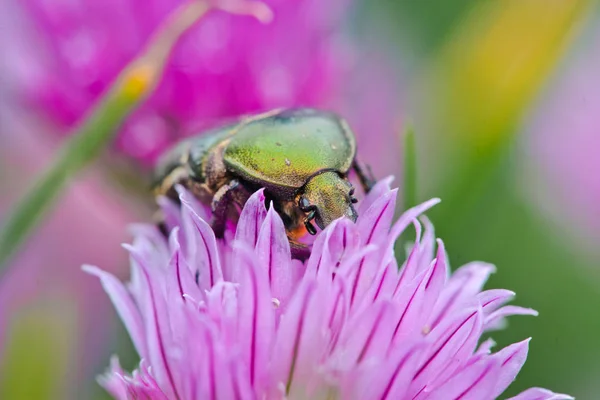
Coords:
304,204
352,198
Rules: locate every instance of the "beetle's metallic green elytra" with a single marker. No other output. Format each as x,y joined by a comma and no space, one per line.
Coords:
300,156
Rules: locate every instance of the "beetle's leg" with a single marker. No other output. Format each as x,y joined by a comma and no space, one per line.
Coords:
365,175
232,193
167,186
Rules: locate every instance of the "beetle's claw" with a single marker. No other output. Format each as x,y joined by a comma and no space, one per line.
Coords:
310,228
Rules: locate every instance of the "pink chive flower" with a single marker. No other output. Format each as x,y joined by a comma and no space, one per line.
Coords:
238,318
63,54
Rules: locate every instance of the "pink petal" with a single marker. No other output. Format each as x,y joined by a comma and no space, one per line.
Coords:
126,308
381,188
202,248
338,240
338,311
375,222
385,283
511,360
373,226
152,243
436,282
240,381
222,306
401,373
427,244
181,280
157,328
142,385
485,348
115,381
170,212
402,223
251,219
300,340
418,303
256,317
541,394
491,300
349,271
390,380
451,344
215,378
475,382
411,268
465,283
367,334
506,311
273,251
199,209
298,272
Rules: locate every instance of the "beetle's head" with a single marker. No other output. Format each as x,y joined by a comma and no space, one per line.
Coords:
326,197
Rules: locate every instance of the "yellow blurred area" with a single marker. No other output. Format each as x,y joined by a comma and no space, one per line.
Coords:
38,353
488,72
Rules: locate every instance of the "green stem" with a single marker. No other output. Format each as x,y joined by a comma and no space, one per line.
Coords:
79,150
409,190
410,168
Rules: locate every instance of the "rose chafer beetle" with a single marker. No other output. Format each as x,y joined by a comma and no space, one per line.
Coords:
301,157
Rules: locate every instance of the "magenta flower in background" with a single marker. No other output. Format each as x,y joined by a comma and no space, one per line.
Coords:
238,318
226,66
58,56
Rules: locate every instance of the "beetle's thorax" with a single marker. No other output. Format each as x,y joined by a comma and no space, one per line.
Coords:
329,193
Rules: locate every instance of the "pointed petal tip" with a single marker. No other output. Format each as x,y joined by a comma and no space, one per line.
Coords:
424,206
127,246
173,234
259,194
527,311
92,270
418,229
180,189
440,245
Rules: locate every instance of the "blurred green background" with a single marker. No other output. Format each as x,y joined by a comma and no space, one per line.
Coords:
478,69
474,73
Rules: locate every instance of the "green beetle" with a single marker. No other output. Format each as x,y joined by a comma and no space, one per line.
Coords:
300,156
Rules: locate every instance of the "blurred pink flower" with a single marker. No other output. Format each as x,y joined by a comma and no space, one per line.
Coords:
226,66
238,318
563,142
